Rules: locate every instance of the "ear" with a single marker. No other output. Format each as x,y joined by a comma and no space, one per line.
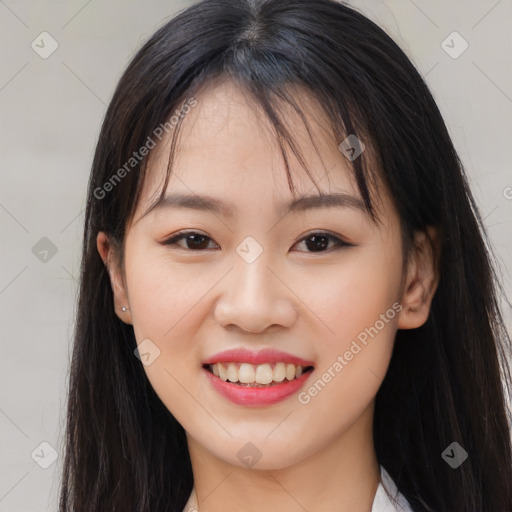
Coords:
116,279
421,280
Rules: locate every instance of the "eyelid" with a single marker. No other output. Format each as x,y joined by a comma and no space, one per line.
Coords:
339,240
173,239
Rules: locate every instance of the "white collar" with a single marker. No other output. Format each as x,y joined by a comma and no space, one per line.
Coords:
382,502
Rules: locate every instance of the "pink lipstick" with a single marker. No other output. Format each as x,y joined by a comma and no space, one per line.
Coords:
254,394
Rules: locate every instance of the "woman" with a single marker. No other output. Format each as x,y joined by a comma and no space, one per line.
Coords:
251,336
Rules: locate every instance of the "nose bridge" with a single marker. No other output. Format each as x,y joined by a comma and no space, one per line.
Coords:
253,297
253,278
252,284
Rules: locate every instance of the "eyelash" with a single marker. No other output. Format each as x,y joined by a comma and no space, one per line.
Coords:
339,243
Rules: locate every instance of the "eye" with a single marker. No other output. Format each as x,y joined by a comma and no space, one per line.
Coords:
314,242
193,241
319,241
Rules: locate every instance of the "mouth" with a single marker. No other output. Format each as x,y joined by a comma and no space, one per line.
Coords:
257,376
256,379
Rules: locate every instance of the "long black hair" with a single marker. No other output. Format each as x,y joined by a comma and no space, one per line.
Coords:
448,381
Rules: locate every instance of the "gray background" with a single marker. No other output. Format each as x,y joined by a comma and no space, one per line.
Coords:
51,110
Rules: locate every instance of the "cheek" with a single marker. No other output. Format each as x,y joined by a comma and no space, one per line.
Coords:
163,294
353,294
361,312
167,305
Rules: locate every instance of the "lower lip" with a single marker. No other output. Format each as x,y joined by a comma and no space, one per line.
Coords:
255,397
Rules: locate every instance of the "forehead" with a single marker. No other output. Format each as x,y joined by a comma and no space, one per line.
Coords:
228,146
229,118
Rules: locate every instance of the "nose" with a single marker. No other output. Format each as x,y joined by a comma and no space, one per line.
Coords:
254,297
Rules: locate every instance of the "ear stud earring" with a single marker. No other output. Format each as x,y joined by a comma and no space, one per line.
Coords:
124,309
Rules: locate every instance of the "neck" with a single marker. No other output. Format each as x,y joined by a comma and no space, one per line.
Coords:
343,476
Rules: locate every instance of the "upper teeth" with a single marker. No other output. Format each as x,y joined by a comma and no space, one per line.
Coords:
261,374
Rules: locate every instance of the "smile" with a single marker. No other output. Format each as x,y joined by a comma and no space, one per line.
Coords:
262,375
256,379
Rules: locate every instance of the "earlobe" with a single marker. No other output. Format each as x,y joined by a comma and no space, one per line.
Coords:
116,281
421,281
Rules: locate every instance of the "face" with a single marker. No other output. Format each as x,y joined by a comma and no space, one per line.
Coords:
322,285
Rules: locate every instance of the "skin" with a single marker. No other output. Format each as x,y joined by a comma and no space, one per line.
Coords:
317,456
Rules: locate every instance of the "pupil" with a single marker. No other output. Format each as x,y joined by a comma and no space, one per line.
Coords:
196,241
314,243
319,242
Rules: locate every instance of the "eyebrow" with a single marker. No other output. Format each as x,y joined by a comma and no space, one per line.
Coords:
208,203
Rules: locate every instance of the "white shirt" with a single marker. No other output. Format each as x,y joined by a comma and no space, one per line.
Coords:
381,502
